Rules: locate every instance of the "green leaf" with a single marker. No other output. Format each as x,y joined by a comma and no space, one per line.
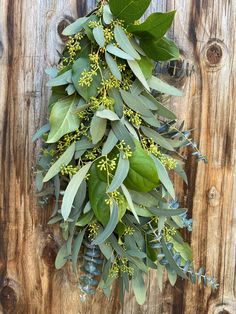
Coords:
118,52
63,119
130,201
120,174
98,34
144,199
142,176
163,49
72,189
97,187
107,114
107,15
85,219
70,89
172,276
60,80
75,27
64,159
114,218
161,110
180,171
138,73
83,144
86,92
124,42
156,25
52,72
97,129
135,103
167,212
129,10
122,133
110,143
147,66
137,88
76,248
164,177
44,129
119,106
171,260
158,138
62,256
113,66
139,287
162,87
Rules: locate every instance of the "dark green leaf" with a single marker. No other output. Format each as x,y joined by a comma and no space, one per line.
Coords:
85,219
63,119
72,189
114,218
129,10
64,159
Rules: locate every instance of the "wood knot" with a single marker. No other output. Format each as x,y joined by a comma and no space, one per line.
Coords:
213,197
62,25
215,54
8,299
49,254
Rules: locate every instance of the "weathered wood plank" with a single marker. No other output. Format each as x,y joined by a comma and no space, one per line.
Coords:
28,42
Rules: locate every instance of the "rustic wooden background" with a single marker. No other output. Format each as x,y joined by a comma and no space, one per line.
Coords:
29,37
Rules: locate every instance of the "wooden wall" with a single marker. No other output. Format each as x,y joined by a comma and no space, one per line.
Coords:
29,37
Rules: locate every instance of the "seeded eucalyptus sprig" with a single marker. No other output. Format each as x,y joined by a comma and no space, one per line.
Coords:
108,149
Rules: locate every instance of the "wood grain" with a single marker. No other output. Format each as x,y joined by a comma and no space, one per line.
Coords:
29,37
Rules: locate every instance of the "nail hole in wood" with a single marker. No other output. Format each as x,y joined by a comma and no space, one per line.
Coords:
49,254
8,299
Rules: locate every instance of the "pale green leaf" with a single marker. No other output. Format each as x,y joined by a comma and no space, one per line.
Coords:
75,27
135,103
124,42
129,201
113,66
119,106
139,287
138,73
60,80
64,159
62,256
158,138
107,15
97,129
44,129
162,87
72,189
107,114
52,72
63,119
118,52
98,34
122,133
76,248
110,143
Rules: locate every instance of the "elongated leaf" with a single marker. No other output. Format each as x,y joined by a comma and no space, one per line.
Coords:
60,80
120,174
160,50
85,219
118,52
156,25
130,201
122,133
63,119
70,89
129,10
131,129
83,144
102,237
107,15
113,66
139,287
171,260
76,248
64,159
72,189
167,212
138,73
75,27
107,114
147,66
180,171
110,143
52,72
158,138
137,88
98,34
124,42
119,106
164,177
163,87
135,103
61,258
44,129
97,128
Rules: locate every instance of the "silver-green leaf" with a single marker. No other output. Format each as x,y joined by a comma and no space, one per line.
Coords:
107,114
129,201
98,34
118,52
138,73
75,27
113,66
162,87
97,129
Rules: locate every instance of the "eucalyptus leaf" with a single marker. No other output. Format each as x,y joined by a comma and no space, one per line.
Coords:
98,34
129,201
139,287
113,66
135,103
72,189
158,138
119,106
110,143
85,219
107,15
120,174
162,87
138,73
124,42
167,212
76,248
122,133
180,171
44,129
64,159
97,129
62,256
63,119
118,52
107,114
70,89
52,72
102,237
137,88
75,27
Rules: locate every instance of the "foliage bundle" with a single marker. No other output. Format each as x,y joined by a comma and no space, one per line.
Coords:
110,145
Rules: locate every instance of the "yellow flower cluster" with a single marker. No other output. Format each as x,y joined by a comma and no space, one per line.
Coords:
133,116
168,232
114,196
107,164
93,230
87,78
125,149
73,46
67,140
129,230
93,24
92,155
109,35
120,266
69,170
